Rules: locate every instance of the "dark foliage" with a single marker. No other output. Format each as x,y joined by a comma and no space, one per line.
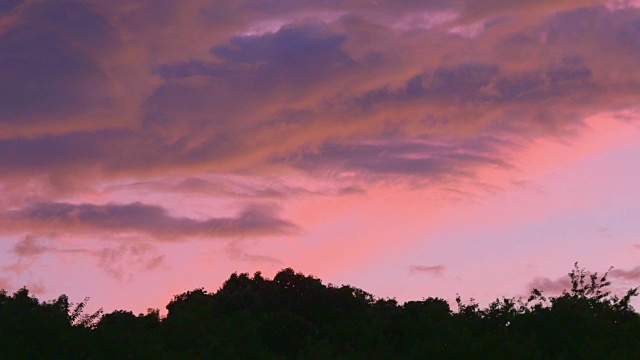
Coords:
295,316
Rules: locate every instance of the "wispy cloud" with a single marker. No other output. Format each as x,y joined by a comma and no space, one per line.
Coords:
245,187
435,270
411,158
30,246
238,251
120,261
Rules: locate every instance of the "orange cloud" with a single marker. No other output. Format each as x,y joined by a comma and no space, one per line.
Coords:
140,101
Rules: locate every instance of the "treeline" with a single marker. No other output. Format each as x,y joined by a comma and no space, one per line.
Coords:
294,316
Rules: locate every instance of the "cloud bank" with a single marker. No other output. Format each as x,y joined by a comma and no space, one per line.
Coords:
118,91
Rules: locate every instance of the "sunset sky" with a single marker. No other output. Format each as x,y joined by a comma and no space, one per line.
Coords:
411,148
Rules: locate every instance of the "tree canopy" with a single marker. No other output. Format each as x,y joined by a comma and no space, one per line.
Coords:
294,316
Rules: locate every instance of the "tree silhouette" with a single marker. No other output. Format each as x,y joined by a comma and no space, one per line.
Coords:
295,316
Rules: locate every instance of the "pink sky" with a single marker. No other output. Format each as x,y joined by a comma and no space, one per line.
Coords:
411,148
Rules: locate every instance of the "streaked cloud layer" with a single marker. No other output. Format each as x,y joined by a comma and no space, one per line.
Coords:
178,121
147,219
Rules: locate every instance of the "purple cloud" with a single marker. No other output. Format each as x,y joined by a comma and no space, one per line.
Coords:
8,5
430,159
47,63
242,99
146,219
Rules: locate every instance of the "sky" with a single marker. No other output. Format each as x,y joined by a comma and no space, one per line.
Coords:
410,148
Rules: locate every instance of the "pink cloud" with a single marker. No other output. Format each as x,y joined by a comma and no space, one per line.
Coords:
30,246
123,260
120,261
631,275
